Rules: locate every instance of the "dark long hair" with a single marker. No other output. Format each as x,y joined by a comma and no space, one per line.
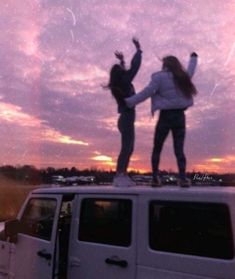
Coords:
181,78
115,80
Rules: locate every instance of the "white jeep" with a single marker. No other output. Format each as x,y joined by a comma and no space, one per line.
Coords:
119,233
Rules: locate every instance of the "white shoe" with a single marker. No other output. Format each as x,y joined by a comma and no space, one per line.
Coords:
123,180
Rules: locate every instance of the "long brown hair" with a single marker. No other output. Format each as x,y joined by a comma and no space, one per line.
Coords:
115,79
181,78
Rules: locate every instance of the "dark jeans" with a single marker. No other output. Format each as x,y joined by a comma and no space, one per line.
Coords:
126,128
170,120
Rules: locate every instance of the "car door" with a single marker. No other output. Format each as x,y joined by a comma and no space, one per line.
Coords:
103,243
5,252
33,255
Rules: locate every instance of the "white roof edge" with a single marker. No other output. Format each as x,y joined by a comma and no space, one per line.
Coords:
135,190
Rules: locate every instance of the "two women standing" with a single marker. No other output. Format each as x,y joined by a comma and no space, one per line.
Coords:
171,91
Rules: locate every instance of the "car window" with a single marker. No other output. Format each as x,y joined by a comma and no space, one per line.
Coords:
38,218
106,221
200,229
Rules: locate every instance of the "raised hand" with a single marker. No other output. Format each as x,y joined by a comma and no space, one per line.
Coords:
119,55
136,43
194,54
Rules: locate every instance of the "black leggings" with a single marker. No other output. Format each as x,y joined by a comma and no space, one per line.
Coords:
170,120
126,128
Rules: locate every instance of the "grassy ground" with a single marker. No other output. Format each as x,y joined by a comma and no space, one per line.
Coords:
12,195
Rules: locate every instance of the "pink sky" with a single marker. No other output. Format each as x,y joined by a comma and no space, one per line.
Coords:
56,54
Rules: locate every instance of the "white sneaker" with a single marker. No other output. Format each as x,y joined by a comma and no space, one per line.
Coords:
123,180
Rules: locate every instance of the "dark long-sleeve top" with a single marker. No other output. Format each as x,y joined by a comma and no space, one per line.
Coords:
126,87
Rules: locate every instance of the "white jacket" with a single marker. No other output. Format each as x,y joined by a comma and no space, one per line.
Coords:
162,90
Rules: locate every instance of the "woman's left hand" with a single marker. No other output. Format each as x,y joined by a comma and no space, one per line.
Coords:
119,55
128,103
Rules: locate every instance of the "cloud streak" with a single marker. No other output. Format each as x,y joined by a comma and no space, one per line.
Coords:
13,114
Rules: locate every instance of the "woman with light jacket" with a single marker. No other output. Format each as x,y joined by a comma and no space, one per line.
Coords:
171,91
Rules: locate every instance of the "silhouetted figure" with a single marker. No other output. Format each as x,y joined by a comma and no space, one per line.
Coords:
120,84
171,91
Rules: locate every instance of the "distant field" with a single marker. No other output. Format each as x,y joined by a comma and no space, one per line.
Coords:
12,195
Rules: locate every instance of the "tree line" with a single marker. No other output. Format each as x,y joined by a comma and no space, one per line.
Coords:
29,174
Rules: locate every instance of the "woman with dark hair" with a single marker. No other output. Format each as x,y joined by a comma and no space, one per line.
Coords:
171,91
121,87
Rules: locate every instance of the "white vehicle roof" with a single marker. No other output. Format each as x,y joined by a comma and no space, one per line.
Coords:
194,192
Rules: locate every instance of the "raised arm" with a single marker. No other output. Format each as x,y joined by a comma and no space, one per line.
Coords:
119,55
147,92
192,64
135,62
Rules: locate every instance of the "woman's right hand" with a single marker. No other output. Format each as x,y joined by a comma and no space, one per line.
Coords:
136,43
194,54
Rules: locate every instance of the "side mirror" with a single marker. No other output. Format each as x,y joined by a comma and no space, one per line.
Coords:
12,228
